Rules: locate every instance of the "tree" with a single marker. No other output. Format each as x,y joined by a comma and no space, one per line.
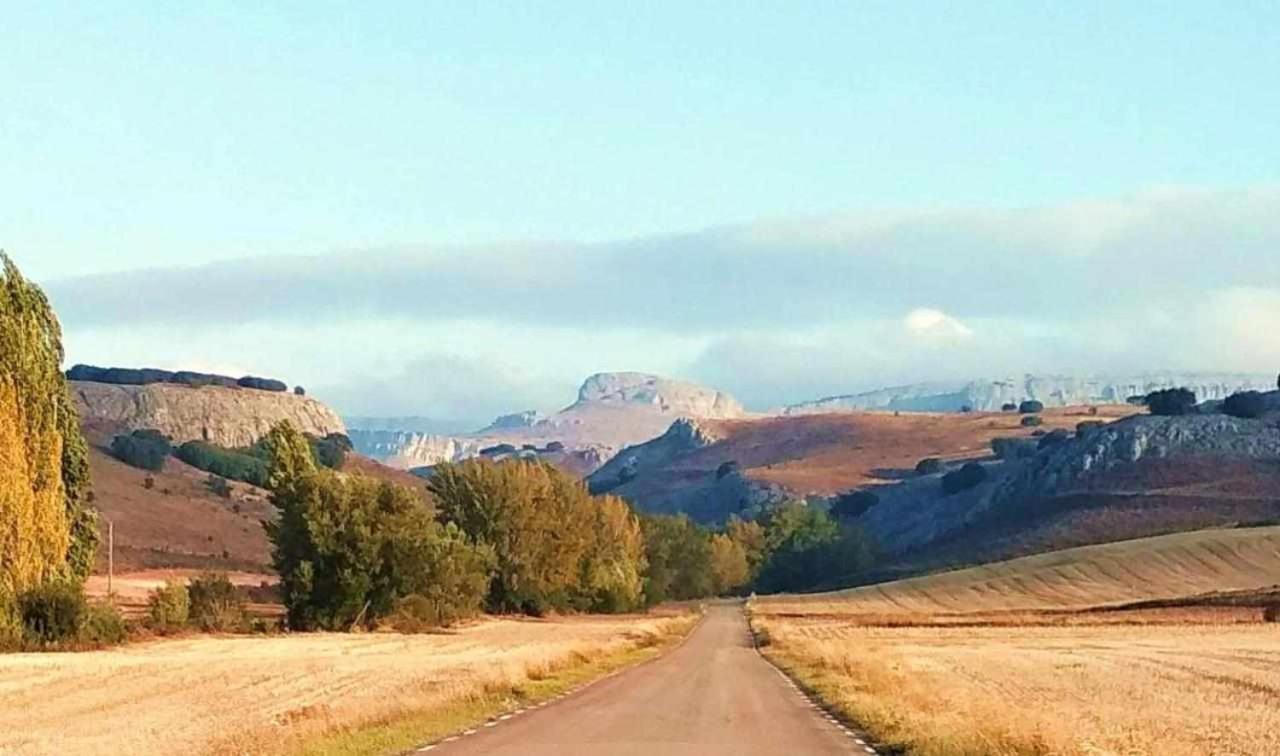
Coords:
930,466
969,476
748,534
50,531
808,548
729,568
348,549
678,553
143,449
1031,407
1245,404
853,504
1171,402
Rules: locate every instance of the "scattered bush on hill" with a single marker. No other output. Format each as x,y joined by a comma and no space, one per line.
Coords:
930,466
853,504
555,446
1009,407
299,391
262,384
1013,448
219,486
1032,421
215,605
169,607
1031,407
244,466
1171,402
726,469
1245,404
143,449
1054,437
969,476
1271,613
1089,427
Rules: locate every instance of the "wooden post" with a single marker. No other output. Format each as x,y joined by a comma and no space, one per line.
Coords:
111,556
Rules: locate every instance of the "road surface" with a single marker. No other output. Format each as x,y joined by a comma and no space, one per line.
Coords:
713,695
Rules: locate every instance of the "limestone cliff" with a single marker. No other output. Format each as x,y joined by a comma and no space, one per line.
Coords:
225,416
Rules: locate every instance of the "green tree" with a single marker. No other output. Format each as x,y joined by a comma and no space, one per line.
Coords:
750,535
348,548
679,557
729,568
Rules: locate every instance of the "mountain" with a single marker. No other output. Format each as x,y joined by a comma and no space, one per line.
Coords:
1053,390
612,410
221,415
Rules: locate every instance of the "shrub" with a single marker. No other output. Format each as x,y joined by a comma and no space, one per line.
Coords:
1009,407
930,466
53,613
218,485
169,607
262,384
1089,427
1054,438
1271,613
215,604
149,482
969,476
143,449
103,626
555,446
1246,404
299,391
331,451
726,469
1171,402
1032,421
1013,448
853,504
228,463
1031,407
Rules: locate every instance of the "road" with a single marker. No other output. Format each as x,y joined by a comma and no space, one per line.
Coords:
712,695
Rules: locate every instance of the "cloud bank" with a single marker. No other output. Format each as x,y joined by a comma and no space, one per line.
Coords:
775,312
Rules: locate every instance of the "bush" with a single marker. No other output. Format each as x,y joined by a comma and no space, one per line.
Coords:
969,476
1089,427
1013,448
228,463
726,469
1031,407
331,451
215,604
1271,613
218,485
1246,404
930,466
1171,402
299,391
1009,407
1054,438
169,607
262,384
103,626
53,613
1032,421
555,446
143,449
853,504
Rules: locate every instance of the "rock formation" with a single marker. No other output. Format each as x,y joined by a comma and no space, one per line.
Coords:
225,416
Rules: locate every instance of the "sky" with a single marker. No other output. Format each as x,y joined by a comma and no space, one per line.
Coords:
455,210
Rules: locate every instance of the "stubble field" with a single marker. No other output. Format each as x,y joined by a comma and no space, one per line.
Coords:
265,695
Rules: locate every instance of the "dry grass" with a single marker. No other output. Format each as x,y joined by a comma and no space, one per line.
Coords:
1033,656
1107,689
284,694
1161,567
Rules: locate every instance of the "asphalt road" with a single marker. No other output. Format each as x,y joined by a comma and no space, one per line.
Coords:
712,695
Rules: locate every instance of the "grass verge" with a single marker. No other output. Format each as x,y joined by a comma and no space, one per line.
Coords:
405,732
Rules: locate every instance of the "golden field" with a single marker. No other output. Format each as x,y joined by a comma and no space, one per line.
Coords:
230,695
1039,655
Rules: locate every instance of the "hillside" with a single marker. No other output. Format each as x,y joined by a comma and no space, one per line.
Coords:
1161,568
612,410
221,415
715,468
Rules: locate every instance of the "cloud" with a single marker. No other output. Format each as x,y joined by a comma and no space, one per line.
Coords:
776,312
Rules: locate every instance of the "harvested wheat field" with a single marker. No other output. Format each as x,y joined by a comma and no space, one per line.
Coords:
1145,569
1003,690
270,694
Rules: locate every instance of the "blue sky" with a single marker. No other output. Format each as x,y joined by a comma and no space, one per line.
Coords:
139,136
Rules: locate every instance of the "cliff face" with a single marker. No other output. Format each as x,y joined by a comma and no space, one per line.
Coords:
225,416
1054,391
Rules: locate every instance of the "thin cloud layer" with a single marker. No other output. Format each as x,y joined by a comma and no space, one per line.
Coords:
781,311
